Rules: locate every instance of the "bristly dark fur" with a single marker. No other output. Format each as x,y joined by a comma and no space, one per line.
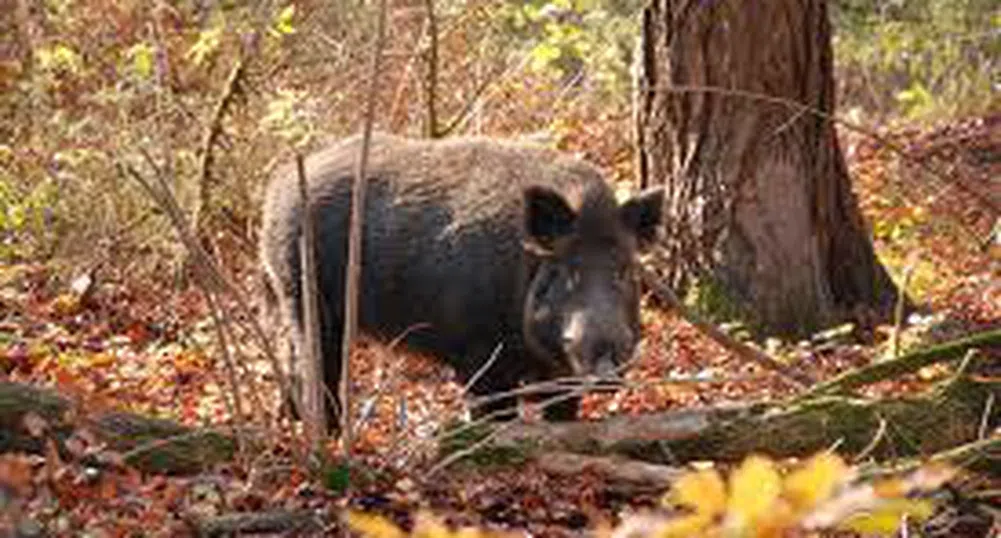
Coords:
479,241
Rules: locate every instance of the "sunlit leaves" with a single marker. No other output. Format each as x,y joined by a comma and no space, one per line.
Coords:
141,56
373,526
59,58
888,518
570,38
915,98
208,42
543,54
934,56
703,491
818,494
289,116
283,22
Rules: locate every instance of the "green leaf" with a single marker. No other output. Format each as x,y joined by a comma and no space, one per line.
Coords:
337,478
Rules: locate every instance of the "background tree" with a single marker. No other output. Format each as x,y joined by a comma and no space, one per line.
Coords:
760,208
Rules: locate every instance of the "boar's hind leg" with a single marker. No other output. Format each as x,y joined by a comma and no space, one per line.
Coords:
331,336
331,331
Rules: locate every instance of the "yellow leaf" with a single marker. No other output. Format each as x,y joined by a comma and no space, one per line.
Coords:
887,518
59,57
208,42
101,360
283,22
373,526
66,304
892,487
702,491
815,481
754,489
142,59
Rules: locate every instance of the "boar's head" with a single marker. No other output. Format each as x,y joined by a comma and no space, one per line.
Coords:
582,306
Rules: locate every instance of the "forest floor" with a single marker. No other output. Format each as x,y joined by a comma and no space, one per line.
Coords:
146,347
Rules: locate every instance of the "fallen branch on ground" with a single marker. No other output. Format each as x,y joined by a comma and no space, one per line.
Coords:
948,415
911,362
280,521
621,473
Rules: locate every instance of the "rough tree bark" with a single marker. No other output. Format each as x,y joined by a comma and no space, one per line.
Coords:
733,118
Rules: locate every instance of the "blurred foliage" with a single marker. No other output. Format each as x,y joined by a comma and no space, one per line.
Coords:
756,501
580,40
89,84
917,58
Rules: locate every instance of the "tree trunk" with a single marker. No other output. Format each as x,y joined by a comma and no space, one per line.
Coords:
733,118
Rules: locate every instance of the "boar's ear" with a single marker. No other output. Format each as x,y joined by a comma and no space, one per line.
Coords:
642,214
548,218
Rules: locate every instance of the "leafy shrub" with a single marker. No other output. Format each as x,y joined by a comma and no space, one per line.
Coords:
918,59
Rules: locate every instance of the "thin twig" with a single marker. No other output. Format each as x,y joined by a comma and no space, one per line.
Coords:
431,84
461,116
880,433
663,292
207,266
212,132
459,454
236,411
313,376
898,311
483,369
354,237
986,416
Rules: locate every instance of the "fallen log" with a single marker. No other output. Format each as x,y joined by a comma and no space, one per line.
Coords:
30,416
959,411
950,414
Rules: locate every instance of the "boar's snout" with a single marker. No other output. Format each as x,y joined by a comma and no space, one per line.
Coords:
596,350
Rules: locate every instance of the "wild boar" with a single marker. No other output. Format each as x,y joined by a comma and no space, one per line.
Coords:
469,245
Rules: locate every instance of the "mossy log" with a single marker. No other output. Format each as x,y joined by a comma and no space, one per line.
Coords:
30,416
910,362
951,414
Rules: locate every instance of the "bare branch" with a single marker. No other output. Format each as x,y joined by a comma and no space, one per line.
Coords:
314,414
354,237
205,265
431,82
212,133
664,293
